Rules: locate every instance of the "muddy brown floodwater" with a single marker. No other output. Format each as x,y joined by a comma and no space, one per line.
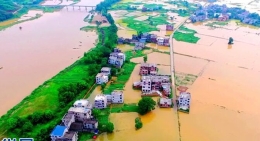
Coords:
40,50
225,96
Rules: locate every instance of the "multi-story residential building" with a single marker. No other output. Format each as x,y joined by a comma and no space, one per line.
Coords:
153,38
169,27
117,58
100,101
184,101
61,133
84,103
148,69
80,113
121,40
101,78
165,102
68,119
154,83
166,89
117,96
106,71
90,124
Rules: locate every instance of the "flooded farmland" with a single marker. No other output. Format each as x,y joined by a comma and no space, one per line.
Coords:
225,93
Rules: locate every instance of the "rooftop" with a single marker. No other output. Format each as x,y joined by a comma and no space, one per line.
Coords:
165,100
79,110
117,92
105,69
67,117
58,131
156,78
148,65
184,95
100,97
81,102
76,126
90,121
100,75
69,135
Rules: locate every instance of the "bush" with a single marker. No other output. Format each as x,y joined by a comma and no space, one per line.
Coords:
138,123
110,127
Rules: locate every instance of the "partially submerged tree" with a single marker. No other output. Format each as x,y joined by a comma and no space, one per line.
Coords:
110,127
146,104
145,58
138,123
230,41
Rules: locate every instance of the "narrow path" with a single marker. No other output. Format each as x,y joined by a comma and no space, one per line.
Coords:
173,75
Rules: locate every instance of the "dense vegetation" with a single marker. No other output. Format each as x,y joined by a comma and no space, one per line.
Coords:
146,104
7,7
138,123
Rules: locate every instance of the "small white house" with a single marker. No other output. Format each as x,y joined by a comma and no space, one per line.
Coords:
100,101
101,78
80,113
109,98
117,96
84,103
67,119
184,100
106,71
160,41
121,55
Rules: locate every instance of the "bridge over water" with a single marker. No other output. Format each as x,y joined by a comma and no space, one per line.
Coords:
67,6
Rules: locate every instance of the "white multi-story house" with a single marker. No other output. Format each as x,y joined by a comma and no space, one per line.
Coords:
106,70
117,96
80,113
116,58
90,124
61,133
100,101
146,84
184,101
101,78
67,119
84,103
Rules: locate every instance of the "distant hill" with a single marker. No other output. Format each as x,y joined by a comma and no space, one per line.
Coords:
8,7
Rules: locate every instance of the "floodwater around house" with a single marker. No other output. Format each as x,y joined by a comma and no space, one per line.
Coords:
225,93
38,51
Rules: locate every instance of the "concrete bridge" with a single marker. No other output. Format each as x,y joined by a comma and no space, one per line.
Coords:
67,6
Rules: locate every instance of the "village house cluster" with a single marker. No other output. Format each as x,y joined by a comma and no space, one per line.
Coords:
78,119
146,9
142,39
224,13
152,84
116,58
102,101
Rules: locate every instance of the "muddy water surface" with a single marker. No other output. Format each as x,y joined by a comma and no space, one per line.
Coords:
39,51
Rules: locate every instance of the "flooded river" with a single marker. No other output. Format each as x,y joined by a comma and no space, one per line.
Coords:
43,47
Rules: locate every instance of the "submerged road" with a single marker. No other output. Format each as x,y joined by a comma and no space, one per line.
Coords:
174,97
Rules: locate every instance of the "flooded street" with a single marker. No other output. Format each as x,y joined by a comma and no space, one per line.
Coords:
40,50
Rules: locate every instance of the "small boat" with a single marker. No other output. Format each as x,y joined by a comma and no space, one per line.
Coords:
20,27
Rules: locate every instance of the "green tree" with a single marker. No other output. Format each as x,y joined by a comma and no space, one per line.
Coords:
12,123
110,127
96,112
103,86
146,104
138,123
145,58
27,126
230,41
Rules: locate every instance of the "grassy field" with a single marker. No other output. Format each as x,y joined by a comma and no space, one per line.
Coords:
117,108
146,25
186,35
